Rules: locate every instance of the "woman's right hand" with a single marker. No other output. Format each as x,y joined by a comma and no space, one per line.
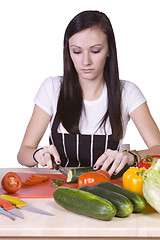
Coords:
43,156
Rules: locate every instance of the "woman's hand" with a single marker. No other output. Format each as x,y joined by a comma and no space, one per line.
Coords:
119,160
43,156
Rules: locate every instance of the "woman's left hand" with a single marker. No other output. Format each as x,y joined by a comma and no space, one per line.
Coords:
119,160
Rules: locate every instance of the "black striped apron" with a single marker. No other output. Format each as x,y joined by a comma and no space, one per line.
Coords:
79,150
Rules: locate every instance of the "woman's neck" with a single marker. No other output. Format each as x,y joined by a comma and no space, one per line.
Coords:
92,90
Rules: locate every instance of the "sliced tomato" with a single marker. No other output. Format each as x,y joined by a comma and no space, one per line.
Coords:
105,173
29,182
34,180
39,177
91,178
11,182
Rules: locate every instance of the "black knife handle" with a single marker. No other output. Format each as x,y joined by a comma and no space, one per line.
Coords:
54,164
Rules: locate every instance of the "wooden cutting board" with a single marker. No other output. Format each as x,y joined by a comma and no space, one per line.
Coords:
44,190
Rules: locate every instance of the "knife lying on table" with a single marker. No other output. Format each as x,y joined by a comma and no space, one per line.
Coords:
8,207
2,211
59,167
23,205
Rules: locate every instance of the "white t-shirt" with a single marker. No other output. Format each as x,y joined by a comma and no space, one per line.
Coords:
132,97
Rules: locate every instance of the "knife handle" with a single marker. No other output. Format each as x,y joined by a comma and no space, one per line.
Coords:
54,164
13,200
5,204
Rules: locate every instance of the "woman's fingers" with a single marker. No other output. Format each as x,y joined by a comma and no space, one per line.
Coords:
100,161
43,156
114,157
55,154
118,163
105,159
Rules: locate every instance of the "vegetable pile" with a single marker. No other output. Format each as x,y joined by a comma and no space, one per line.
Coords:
140,185
98,198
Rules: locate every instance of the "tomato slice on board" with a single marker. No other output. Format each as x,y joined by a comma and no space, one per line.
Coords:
11,182
39,177
91,178
34,180
105,173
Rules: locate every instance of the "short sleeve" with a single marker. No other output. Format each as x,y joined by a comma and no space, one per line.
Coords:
47,95
132,97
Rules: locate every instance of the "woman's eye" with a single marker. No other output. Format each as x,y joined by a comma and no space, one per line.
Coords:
76,52
95,51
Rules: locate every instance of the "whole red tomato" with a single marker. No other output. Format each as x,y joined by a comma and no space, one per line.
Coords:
11,182
91,178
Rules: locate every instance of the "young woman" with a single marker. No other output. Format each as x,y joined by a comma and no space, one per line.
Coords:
88,108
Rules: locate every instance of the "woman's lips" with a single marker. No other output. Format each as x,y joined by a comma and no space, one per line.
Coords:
87,70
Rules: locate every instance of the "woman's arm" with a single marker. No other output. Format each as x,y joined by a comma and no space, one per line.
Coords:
148,130
150,134
35,131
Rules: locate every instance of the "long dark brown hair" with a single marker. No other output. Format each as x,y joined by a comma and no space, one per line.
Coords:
70,101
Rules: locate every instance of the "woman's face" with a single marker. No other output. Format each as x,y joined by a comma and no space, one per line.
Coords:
88,51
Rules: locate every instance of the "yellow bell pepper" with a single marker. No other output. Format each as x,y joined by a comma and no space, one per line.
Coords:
133,179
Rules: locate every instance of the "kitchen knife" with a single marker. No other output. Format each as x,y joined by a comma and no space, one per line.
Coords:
8,207
23,205
59,167
2,211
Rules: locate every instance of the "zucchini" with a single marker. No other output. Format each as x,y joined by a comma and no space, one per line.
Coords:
137,200
73,174
84,203
123,205
120,174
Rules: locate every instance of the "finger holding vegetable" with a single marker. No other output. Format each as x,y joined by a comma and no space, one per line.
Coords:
116,158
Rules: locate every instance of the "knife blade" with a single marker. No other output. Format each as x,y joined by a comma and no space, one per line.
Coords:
2,211
8,207
59,167
23,205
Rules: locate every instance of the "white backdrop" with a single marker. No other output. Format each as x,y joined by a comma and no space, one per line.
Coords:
31,42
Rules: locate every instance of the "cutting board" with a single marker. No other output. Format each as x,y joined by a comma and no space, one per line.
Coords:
44,190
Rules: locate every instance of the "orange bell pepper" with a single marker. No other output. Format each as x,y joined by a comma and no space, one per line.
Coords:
133,179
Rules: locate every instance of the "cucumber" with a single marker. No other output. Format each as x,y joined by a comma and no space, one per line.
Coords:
120,174
123,205
84,203
137,200
73,174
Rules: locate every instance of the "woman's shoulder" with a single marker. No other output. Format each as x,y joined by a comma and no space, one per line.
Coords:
128,87
132,96
125,84
47,95
55,82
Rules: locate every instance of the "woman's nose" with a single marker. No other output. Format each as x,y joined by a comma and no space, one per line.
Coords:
86,59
